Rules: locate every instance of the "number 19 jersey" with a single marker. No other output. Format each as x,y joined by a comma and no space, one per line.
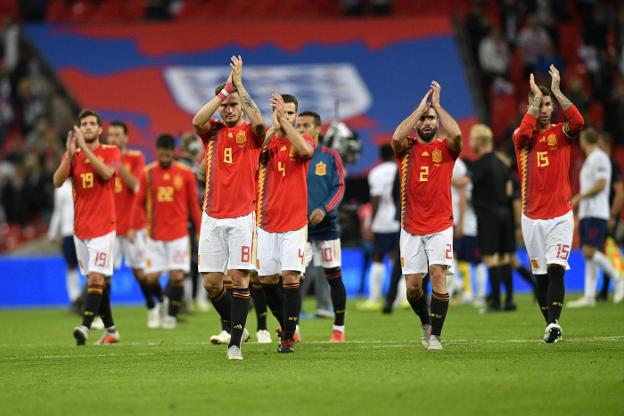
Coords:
231,158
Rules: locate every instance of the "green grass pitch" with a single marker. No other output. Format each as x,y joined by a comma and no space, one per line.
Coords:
491,365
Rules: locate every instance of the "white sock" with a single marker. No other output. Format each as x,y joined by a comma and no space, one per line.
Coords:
375,281
480,280
338,328
73,285
401,293
604,263
591,278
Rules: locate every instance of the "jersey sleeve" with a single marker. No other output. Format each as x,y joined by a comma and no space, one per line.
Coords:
210,134
138,202
522,134
601,168
375,184
139,167
338,184
113,158
574,122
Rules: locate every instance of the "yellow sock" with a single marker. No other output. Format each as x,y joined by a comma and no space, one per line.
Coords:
464,269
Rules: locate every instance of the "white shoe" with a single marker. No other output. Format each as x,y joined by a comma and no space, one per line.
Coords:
97,323
434,343
163,309
582,303
222,338
108,338
245,337
81,333
619,290
425,335
170,322
202,304
263,336
234,353
553,333
153,317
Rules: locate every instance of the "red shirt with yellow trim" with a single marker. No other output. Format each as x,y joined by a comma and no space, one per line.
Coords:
94,201
543,159
282,187
134,162
169,196
231,163
426,170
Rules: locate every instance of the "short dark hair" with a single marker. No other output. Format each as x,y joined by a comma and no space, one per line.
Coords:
121,124
289,98
86,112
545,92
165,141
315,116
590,135
385,152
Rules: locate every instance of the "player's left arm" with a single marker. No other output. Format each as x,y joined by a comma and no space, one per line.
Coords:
303,148
128,178
250,108
453,132
602,173
575,121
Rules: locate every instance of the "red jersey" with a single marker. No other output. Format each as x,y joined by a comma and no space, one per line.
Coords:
169,196
134,162
94,201
282,187
426,170
231,163
544,165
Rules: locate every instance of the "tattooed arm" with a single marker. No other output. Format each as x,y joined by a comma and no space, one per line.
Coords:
249,106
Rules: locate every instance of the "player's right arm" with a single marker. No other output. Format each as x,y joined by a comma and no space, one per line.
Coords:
523,133
249,106
400,142
575,121
201,120
64,169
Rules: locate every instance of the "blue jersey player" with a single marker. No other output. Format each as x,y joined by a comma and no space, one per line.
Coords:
325,192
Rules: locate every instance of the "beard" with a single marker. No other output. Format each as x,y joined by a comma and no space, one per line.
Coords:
166,165
90,139
427,137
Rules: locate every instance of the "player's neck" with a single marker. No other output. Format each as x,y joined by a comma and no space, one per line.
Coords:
94,144
423,141
541,127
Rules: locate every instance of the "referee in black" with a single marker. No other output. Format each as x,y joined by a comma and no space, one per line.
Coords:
491,190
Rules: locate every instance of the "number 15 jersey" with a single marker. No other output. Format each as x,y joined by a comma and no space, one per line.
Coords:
232,155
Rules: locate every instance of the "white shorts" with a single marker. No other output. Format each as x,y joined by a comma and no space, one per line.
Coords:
281,251
164,256
548,241
227,243
418,252
133,253
323,253
96,255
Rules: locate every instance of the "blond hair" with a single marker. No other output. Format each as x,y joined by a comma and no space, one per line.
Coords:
483,133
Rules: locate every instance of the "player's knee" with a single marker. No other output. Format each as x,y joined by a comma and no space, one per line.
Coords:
290,277
176,277
414,292
588,252
213,283
96,279
269,280
333,273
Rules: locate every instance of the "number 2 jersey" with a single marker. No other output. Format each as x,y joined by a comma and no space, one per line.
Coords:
543,159
282,187
232,155
94,201
426,170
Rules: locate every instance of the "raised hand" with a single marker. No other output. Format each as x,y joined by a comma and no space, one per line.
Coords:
534,88
425,99
70,144
237,69
435,93
556,78
277,102
80,140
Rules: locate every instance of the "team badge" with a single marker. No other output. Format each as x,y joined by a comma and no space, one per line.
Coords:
321,169
178,182
552,140
241,137
436,156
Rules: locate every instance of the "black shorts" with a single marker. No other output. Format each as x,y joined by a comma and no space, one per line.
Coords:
496,232
467,249
69,252
384,243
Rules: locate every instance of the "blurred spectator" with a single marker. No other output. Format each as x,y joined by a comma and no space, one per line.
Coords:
494,54
532,42
477,25
546,59
356,8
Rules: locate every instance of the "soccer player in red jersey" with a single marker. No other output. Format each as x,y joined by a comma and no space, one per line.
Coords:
283,214
169,194
543,154
426,243
228,227
130,246
92,167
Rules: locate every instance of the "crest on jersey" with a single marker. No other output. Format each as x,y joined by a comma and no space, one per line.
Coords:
283,148
241,138
436,156
552,140
178,182
321,169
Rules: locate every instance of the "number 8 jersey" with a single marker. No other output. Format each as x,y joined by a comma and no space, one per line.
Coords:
426,170
543,159
232,155
94,200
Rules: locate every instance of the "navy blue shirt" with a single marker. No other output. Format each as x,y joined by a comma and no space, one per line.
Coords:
325,190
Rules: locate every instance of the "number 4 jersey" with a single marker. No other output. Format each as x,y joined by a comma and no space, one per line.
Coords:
543,159
426,170
94,200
